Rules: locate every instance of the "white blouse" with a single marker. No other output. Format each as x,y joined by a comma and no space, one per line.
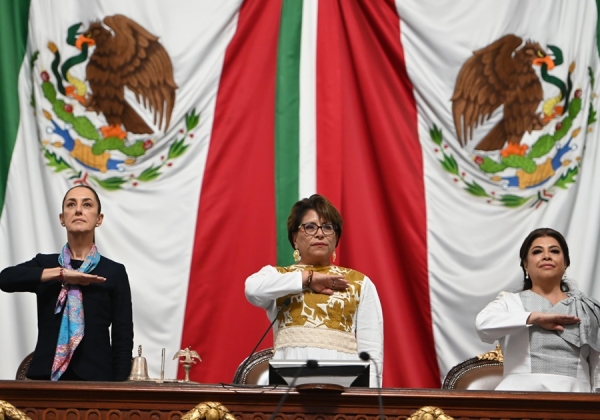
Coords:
536,359
264,288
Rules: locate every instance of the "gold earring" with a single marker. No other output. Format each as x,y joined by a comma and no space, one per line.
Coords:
296,255
334,256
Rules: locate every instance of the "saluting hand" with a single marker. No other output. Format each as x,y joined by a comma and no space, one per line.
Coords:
70,276
553,322
81,279
328,283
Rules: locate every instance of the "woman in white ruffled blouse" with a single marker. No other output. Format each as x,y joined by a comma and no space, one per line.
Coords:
549,332
333,312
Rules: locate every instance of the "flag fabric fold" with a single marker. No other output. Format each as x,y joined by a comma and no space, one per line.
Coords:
408,115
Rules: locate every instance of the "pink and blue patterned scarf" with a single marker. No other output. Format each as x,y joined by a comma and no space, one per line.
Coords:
70,302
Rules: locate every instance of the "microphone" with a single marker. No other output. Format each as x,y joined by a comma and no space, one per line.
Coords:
310,364
285,304
367,357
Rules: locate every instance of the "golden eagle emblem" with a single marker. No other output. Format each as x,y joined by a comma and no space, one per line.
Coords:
500,74
128,56
129,81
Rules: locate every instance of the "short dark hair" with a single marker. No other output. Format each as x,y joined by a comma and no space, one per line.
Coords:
526,246
82,186
322,206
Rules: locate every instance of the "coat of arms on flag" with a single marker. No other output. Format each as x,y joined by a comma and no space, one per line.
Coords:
109,96
522,128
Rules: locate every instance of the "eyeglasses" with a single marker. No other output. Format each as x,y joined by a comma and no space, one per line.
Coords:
312,228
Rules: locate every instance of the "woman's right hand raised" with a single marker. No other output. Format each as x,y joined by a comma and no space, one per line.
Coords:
81,279
327,283
553,322
71,276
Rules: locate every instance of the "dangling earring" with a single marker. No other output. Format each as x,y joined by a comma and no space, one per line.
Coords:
565,274
334,256
526,275
296,255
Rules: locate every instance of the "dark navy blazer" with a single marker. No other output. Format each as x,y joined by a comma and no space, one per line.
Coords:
101,355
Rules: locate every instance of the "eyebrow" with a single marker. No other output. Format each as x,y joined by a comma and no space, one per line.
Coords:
74,199
550,247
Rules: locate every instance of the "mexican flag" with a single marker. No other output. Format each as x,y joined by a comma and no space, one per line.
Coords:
443,132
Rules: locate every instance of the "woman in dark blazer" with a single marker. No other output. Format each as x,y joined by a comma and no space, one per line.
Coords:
85,327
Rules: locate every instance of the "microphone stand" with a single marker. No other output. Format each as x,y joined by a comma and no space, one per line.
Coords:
285,304
367,357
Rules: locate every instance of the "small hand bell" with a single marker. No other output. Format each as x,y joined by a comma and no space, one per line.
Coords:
139,368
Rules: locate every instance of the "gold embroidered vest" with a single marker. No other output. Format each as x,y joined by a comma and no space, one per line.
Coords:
319,320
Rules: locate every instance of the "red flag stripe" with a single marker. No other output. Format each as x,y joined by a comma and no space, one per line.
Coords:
236,215
370,165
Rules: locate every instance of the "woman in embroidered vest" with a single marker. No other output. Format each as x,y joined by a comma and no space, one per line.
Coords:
80,294
549,331
334,312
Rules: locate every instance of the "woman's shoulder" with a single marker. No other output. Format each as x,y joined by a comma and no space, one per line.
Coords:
44,257
511,296
581,298
349,273
283,270
46,260
326,269
38,263
108,263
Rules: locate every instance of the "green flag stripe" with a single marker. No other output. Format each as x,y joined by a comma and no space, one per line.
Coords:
287,106
13,40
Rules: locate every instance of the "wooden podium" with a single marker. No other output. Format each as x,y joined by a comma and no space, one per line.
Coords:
42,400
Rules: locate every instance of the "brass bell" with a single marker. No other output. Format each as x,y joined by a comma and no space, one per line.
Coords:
139,368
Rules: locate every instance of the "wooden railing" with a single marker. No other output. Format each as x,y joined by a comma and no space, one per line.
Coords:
152,401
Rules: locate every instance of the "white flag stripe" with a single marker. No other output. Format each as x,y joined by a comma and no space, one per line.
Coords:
473,244
308,100
28,201
148,227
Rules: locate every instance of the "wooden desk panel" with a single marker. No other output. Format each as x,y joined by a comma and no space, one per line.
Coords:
150,401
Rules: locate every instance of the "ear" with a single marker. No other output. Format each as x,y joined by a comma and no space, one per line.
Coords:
294,237
99,219
61,217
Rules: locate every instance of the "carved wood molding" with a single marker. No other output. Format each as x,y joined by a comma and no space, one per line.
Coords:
149,401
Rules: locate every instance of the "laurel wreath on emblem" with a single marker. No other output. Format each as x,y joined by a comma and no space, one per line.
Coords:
94,154
528,172
98,150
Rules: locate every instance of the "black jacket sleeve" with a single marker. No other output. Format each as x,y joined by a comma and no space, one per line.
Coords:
100,356
25,277
122,327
